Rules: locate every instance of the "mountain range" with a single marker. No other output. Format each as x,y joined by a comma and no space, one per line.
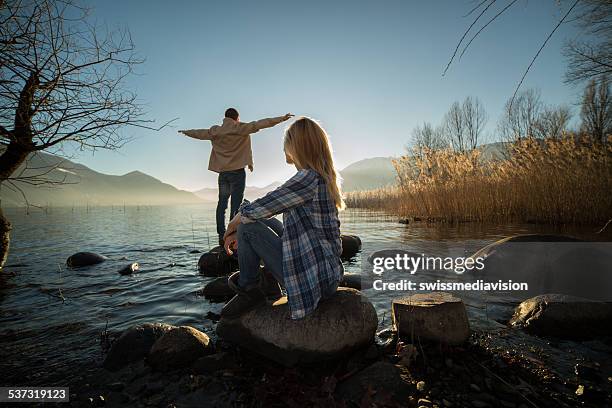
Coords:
78,185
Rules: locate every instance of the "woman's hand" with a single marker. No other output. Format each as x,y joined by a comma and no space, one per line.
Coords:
230,243
232,227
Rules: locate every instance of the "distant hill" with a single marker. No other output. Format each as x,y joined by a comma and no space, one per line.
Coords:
84,186
376,172
368,174
250,193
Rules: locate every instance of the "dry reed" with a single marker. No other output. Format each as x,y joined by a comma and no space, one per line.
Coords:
554,181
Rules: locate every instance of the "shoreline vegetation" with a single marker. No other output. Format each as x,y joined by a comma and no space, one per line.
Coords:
565,180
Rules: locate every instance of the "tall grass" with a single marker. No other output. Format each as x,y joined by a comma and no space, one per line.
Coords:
553,181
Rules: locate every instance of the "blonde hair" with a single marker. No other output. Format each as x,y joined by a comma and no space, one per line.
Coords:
308,145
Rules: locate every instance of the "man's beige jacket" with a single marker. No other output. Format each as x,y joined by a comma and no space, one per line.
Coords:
231,142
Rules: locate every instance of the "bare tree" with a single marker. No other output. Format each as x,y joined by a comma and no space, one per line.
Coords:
62,81
596,112
552,122
521,115
454,127
592,57
475,119
427,137
464,123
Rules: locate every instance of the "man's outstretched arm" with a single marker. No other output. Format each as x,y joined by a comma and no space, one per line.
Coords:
202,134
257,125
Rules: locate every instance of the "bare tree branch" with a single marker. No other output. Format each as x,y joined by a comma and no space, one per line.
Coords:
540,50
62,80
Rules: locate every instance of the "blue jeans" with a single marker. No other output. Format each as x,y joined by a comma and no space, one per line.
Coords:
231,183
257,241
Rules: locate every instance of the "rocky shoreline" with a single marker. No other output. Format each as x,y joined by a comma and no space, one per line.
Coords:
553,352
502,366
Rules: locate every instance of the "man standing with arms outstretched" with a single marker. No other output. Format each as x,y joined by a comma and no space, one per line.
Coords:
231,153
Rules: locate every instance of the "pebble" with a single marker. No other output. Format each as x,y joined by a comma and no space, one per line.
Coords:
420,386
447,403
475,387
580,390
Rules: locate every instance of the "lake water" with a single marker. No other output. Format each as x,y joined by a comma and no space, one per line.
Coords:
51,317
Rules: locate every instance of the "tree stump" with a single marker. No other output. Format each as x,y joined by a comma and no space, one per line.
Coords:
437,317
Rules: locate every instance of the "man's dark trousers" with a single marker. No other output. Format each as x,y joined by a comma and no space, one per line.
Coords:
231,183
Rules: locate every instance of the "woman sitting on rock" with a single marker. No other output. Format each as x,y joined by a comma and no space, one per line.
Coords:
302,253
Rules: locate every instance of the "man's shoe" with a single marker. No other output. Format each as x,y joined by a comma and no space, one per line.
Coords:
243,302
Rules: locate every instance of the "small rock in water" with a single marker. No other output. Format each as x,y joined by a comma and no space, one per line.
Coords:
580,390
563,316
218,290
216,263
421,386
351,244
129,269
84,259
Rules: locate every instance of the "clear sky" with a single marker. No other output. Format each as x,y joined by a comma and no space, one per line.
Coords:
368,70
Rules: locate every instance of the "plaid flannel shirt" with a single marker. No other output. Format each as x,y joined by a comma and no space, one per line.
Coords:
311,237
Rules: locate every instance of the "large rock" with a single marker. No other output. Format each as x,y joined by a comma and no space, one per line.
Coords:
134,344
563,316
179,347
345,322
437,317
549,264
